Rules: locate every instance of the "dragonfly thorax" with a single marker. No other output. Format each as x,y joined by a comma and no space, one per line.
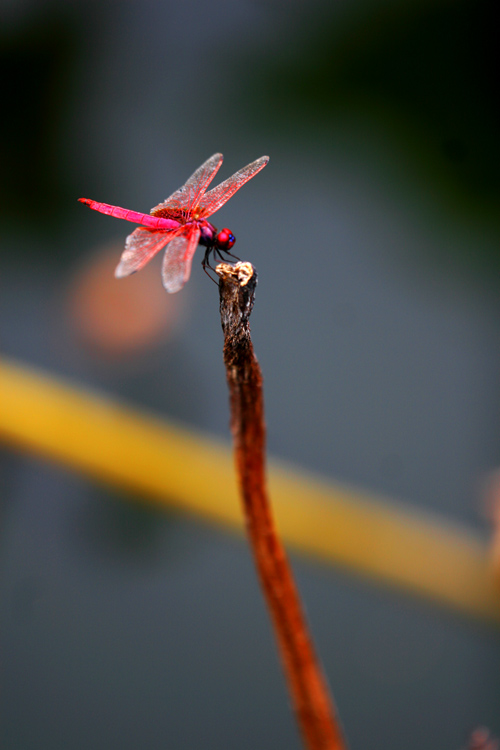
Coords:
208,233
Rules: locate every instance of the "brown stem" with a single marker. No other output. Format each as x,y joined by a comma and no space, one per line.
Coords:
313,706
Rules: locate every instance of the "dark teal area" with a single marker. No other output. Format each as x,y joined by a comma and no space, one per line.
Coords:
422,76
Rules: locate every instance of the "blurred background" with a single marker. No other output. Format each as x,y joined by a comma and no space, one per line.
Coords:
374,230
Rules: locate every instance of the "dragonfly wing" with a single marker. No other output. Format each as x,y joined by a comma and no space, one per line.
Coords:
141,246
215,198
188,196
179,257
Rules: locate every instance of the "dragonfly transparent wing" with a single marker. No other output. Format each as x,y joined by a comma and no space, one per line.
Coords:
178,258
215,198
188,196
140,247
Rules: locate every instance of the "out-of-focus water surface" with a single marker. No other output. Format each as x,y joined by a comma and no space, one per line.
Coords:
375,233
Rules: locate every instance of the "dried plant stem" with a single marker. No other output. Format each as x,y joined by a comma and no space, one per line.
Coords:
313,706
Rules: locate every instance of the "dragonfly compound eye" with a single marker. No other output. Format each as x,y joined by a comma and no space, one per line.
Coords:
225,239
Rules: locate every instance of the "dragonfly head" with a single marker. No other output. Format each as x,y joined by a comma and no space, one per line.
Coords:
225,239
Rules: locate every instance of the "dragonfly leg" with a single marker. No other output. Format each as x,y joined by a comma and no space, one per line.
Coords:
232,255
205,263
218,255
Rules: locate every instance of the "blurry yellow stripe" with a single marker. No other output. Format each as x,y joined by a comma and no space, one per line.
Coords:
175,466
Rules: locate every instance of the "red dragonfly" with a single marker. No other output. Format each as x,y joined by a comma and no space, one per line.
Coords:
180,222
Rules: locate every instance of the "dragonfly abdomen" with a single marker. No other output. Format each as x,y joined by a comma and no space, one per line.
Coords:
154,222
